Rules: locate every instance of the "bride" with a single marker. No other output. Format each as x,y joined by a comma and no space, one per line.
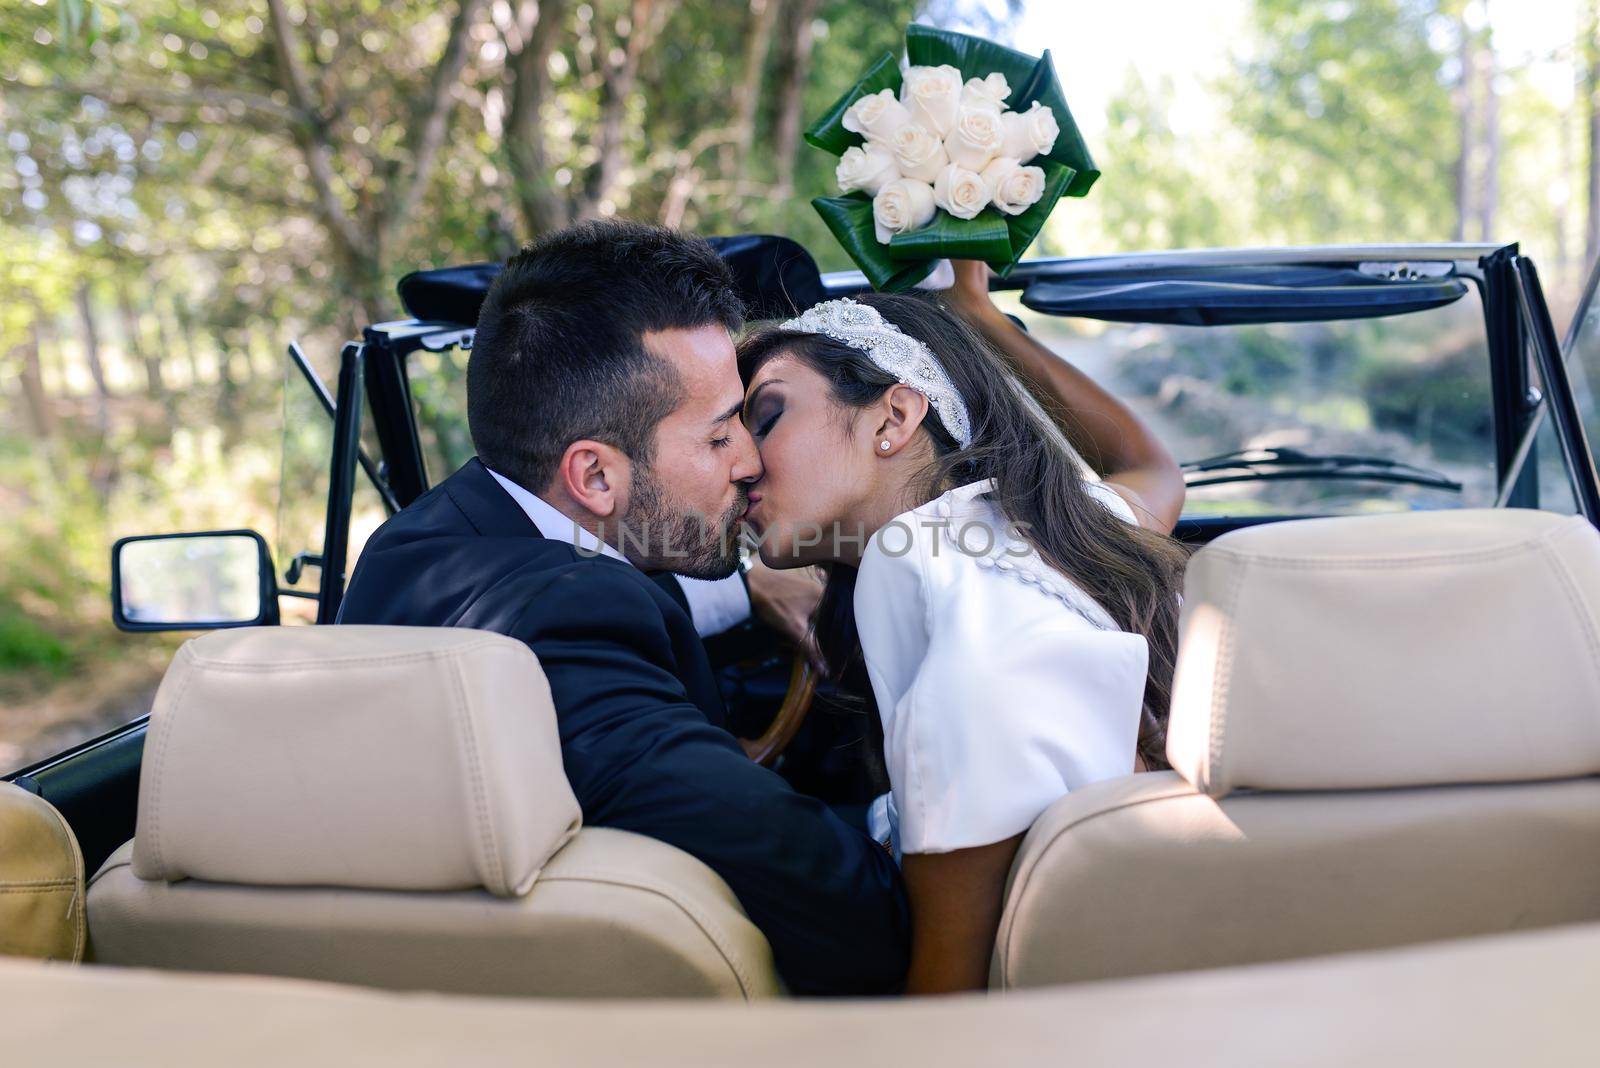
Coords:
1013,622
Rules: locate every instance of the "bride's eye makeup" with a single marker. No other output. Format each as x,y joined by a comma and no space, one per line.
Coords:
766,421
763,415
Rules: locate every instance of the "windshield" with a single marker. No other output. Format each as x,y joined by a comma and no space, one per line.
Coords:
305,450
1409,390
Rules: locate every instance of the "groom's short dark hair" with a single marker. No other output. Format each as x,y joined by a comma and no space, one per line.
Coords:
559,355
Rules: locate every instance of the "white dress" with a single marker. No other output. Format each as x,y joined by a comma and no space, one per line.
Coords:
1001,684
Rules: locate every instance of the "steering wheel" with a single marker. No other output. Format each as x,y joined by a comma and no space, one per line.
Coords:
796,704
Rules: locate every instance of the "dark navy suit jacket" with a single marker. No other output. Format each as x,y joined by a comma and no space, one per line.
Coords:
640,718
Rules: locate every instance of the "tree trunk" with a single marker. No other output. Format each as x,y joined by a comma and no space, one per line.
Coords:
362,236
1466,125
52,373
644,20
427,129
168,338
351,242
133,339
736,157
792,93
186,331
1489,196
228,414
91,356
40,413
543,207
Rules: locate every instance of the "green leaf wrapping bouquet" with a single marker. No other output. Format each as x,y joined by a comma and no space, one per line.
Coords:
960,154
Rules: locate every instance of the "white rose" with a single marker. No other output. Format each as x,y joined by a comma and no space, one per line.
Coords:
1014,188
976,137
961,192
932,94
919,153
876,117
869,168
1029,133
986,92
903,205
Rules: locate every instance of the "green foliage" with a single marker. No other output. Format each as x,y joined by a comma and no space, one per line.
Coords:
1348,105
1255,361
1164,192
1443,400
25,645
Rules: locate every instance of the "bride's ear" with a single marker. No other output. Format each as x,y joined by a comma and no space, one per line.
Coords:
899,413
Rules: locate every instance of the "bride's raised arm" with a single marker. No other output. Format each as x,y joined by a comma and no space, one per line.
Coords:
1109,436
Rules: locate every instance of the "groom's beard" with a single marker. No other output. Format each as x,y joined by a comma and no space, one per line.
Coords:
662,535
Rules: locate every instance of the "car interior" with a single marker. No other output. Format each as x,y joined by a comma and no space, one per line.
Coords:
1337,786
1383,734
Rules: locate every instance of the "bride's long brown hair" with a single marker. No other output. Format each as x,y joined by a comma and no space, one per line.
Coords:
1133,573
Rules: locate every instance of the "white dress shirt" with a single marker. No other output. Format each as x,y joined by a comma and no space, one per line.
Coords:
714,604
1001,684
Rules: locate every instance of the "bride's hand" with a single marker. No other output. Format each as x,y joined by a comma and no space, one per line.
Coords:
969,296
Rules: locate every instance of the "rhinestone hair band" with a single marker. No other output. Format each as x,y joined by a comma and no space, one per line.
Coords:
863,329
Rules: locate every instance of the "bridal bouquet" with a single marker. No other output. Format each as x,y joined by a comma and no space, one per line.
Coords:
962,152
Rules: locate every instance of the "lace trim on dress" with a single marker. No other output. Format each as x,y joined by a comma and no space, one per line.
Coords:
1021,561
1016,557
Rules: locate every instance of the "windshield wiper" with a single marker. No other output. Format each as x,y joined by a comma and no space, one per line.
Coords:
1258,465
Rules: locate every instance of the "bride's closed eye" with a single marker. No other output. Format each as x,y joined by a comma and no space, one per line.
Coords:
765,423
763,414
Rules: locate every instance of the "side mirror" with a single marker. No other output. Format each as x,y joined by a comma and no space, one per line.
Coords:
201,581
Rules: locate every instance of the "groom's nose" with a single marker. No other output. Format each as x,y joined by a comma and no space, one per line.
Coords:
747,458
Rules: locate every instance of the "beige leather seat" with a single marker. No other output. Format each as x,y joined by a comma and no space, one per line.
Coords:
386,806
1385,729
41,880
1523,1000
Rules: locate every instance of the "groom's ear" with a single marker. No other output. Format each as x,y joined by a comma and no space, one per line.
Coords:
596,476
901,410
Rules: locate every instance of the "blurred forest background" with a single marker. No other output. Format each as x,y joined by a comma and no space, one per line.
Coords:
186,185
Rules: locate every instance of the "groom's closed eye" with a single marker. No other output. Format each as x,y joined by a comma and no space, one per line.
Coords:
722,441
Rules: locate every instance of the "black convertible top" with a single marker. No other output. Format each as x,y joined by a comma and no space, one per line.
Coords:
1231,295
776,276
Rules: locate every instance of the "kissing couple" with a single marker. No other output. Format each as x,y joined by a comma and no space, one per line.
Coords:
1008,618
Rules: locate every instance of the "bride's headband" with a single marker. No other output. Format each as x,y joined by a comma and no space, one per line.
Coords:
863,329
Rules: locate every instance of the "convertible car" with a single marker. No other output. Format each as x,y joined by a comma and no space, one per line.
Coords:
1380,840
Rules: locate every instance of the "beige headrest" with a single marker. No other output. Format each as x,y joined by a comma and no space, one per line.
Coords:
398,758
1390,650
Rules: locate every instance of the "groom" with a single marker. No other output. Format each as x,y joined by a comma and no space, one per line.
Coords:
603,401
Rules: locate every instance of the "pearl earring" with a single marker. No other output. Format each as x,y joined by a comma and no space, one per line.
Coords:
884,446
